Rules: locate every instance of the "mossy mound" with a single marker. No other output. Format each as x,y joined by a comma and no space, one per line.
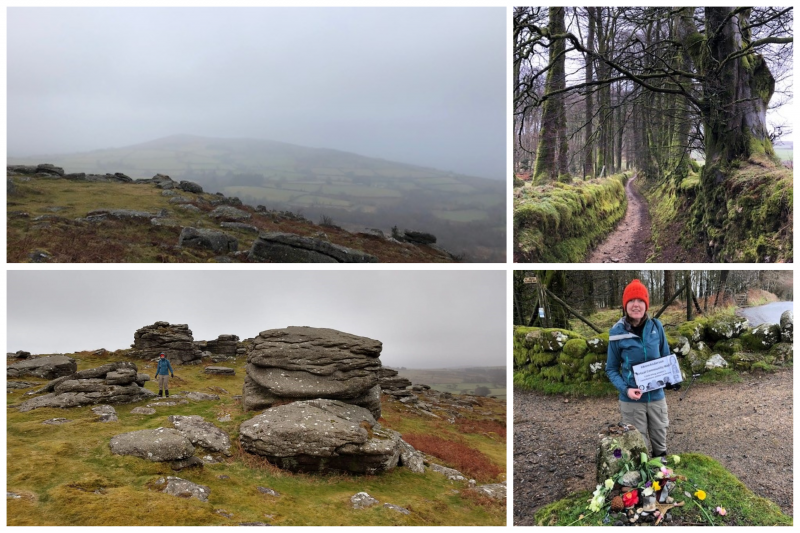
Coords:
560,222
694,330
723,489
575,348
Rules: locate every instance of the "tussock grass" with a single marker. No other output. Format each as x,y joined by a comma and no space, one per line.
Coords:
67,475
560,222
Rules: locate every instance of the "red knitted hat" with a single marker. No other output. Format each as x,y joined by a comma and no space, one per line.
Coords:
635,289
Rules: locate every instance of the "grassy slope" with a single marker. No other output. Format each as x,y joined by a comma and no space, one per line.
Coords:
355,191
723,489
67,475
141,242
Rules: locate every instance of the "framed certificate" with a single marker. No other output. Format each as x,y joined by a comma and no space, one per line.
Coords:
657,374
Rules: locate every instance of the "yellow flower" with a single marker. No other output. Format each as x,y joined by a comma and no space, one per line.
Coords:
700,494
656,486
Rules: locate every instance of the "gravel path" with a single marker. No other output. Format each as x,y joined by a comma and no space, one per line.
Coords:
631,241
745,426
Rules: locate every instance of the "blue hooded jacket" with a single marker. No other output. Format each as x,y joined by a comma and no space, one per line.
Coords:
626,349
164,368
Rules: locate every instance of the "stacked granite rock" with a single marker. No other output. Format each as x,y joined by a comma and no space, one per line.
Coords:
48,367
334,378
303,363
174,340
393,384
112,383
223,346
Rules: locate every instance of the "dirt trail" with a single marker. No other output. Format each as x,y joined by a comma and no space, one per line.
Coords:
745,426
631,241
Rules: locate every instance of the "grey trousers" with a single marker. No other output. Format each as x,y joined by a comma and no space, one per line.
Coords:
163,381
651,419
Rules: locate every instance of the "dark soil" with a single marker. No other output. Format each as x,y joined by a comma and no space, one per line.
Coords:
631,241
746,426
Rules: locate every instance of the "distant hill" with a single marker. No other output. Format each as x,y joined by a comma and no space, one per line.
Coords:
784,150
460,380
467,214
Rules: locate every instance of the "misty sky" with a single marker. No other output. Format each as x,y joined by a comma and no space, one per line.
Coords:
425,319
416,85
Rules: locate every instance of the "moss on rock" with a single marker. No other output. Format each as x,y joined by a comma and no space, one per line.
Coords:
575,348
694,330
598,344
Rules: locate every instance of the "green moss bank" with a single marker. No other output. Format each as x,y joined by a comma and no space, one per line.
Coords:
560,222
743,214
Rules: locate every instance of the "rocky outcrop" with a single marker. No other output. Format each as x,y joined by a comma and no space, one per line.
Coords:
162,444
391,382
224,345
48,367
174,340
290,248
321,435
113,383
305,363
190,186
229,213
218,241
202,433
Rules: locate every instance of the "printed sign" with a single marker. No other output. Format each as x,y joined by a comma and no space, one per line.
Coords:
657,374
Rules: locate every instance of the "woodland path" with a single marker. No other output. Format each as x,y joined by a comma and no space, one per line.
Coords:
745,426
631,240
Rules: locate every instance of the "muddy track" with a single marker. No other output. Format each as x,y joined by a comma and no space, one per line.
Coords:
631,241
745,426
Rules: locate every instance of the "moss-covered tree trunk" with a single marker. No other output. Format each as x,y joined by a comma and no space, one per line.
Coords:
737,88
553,116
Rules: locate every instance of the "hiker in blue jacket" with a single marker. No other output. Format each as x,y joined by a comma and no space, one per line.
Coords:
163,372
637,338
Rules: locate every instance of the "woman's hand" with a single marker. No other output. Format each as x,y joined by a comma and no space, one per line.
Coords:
634,394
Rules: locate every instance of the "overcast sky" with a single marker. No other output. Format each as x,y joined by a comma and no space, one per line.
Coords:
425,319
425,86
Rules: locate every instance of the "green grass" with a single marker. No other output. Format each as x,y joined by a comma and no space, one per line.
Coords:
57,470
744,508
592,389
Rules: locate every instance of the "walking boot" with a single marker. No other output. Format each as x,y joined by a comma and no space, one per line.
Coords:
160,393
167,393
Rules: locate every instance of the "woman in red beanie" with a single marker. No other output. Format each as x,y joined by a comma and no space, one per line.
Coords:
637,338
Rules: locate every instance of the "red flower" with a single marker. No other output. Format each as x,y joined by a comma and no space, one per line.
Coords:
630,498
